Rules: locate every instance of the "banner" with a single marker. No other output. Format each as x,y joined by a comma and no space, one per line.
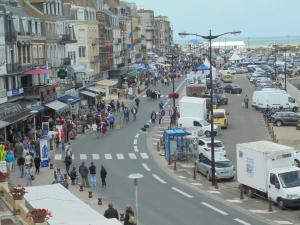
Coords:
3,167
44,152
45,128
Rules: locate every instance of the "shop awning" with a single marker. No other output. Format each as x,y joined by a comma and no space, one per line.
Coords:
13,112
90,94
133,74
57,105
68,99
97,90
36,71
3,124
38,108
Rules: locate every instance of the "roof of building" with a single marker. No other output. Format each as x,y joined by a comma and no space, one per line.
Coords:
227,43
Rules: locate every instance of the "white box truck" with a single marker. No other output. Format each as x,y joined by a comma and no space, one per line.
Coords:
193,107
273,98
266,169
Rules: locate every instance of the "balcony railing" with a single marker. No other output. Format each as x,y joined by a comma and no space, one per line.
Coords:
66,38
39,90
10,37
38,61
14,68
66,61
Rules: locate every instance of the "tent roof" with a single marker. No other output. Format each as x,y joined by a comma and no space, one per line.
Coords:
235,57
65,207
107,83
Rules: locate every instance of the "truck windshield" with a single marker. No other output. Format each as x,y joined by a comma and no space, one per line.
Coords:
216,145
223,164
290,179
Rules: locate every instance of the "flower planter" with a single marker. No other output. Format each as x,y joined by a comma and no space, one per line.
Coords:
18,192
38,219
39,215
18,197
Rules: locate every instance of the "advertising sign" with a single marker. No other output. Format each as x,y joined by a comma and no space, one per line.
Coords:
44,152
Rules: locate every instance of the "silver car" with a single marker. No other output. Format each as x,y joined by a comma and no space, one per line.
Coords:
224,167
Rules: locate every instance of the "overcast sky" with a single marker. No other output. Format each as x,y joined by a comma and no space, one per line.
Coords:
255,18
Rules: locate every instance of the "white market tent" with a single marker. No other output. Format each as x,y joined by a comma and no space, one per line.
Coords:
228,44
235,57
65,207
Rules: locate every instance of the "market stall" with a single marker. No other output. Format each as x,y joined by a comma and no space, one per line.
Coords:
110,87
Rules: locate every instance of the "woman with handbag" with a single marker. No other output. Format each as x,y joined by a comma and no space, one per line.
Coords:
129,216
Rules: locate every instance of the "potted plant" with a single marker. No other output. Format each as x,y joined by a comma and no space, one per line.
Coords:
17,192
40,215
3,176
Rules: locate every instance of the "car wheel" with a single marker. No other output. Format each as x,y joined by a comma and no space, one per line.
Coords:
250,192
278,123
207,133
208,176
280,204
295,109
296,162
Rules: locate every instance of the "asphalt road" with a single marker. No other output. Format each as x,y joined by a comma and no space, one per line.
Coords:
162,198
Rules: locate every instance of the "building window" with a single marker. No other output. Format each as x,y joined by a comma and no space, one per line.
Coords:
81,52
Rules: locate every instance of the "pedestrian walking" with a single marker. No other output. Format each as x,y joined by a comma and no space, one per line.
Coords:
68,163
153,117
29,178
73,175
129,216
9,158
111,212
134,111
246,101
137,102
118,106
84,172
58,177
28,163
21,163
94,128
37,163
61,139
111,119
92,170
103,174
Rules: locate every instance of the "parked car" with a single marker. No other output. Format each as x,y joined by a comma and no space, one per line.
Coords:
223,166
297,158
233,89
227,78
285,118
204,147
218,99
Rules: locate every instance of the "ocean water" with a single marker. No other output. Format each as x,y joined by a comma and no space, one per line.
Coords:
252,42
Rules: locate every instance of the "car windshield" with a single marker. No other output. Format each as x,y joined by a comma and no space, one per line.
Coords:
290,179
235,86
205,123
223,164
217,144
218,115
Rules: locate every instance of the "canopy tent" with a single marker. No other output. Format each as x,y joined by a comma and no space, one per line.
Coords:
107,83
203,67
36,71
64,206
133,74
235,57
3,124
68,99
57,106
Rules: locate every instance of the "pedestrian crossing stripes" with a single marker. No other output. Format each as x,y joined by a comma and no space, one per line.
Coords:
108,156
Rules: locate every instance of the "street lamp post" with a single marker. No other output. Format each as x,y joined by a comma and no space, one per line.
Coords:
135,177
34,122
285,69
211,37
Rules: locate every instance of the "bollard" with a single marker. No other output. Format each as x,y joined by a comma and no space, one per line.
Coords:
157,146
99,201
90,194
270,203
51,166
175,165
81,188
122,218
241,192
194,177
216,184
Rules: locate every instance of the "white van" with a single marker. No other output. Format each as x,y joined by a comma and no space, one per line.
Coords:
187,122
273,98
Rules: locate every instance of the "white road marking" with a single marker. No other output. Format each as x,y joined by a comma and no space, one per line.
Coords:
83,157
283,222
196,184
241,221
135,148
58,157
259,211
182,177
120,156
159,179
73,157
95,156
234,200
137,135
146,167
144,155
132,156
107,156
135,141
214,192
214,208
182,192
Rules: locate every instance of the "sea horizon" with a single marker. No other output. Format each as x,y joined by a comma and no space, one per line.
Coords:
251,42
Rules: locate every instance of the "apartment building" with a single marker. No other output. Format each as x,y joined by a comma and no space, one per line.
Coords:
163,34
147,29
3,97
